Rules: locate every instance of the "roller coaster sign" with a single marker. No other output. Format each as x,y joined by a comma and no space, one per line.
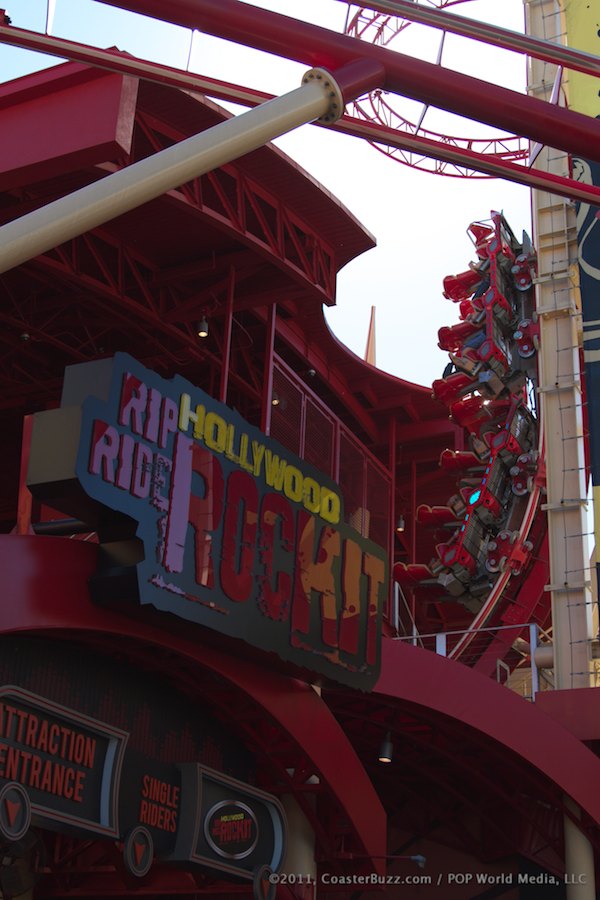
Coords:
238,534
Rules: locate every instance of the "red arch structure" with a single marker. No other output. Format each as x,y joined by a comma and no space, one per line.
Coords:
463,738
255,247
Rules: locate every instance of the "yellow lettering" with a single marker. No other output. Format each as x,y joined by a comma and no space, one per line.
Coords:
311,495
220,437
186,416
292,484
234,457
330,506
274,470
244,461
215,432
258,452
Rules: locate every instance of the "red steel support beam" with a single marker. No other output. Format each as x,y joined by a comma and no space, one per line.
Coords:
267,397
426,82
227,336
487,164
25,502
116,61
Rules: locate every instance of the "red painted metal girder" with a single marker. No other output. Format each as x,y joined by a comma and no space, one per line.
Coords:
431,84
105,135
117,61
45,590
376,133
427,430
578,709
470,159
295,335
233,197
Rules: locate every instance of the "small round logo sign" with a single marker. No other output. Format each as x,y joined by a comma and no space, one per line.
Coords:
231,829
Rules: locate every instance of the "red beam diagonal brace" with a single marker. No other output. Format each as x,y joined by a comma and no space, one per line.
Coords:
443,88
470,159
115,61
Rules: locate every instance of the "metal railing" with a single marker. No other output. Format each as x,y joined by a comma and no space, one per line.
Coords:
526,639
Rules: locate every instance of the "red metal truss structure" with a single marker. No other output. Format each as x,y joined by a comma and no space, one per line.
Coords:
254,247
467,96
383,28
384,20
383,136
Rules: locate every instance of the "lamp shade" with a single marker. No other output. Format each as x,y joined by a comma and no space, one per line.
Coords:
386,751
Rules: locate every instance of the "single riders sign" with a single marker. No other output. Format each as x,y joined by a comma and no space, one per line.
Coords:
238,534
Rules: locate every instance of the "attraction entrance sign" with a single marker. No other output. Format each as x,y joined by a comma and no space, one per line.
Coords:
69,764
127,776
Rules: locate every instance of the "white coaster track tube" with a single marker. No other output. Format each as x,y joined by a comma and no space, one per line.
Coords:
321,96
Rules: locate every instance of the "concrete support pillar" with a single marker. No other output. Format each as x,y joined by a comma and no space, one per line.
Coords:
300,853
579,859
559,310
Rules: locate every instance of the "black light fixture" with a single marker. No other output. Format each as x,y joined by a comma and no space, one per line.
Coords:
203,327
275,401
400,525
386,751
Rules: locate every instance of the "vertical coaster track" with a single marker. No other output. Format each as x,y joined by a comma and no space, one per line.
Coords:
489,533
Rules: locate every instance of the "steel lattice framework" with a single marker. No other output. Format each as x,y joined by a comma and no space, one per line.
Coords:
494,157
80,300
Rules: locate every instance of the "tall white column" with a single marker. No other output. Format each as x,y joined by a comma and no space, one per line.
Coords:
300,853
559,311
579,859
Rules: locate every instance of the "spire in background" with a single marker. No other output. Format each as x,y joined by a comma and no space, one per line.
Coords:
370,348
